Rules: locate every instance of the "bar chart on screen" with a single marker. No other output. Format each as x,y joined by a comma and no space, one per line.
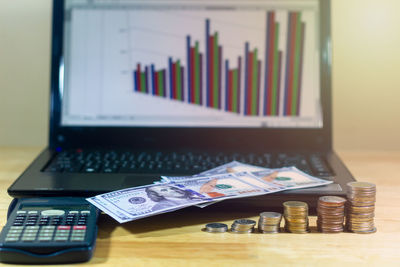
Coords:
219,63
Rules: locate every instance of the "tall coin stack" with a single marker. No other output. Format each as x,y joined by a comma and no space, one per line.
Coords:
361,198
269,222
296,217
243,226
330,212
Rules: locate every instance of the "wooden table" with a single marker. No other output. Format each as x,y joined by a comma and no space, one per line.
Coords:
176,239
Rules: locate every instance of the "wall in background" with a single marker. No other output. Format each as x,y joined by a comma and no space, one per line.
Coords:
366,73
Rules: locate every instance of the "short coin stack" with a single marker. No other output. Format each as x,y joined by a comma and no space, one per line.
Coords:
296,217
269,222
330,214
216,227
361,198
243,226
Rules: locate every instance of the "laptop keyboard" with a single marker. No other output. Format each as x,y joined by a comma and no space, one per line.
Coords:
96,161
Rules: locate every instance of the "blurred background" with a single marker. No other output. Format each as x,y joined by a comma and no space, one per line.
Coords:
366,73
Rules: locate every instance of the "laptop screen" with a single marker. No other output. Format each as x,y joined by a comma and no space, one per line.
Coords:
191,63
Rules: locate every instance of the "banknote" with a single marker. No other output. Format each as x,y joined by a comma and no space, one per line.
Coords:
232,180
232,167
139,202
220,186
289,178
247,177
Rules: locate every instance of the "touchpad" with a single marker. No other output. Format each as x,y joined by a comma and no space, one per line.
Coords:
139,180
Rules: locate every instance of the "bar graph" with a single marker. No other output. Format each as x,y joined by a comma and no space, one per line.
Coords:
217,69
210,64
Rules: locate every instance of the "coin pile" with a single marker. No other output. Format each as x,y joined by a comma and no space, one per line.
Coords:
361,198
330,212
296,217
216,227
269,222
243,226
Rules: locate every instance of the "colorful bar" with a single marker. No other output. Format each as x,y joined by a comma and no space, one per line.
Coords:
153,80
158,81
239,75
296,33
232,88
197,76
271,88
189,68
208,72
246,78
214,69
141,79
201,78
227,96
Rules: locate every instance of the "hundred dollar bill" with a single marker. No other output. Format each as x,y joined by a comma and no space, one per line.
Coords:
289,178
233,167
220,186
139,202
252,180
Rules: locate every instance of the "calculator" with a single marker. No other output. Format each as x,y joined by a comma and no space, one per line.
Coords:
49,230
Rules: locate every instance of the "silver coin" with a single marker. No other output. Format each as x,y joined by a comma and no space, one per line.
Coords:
244,222
216,227
268,214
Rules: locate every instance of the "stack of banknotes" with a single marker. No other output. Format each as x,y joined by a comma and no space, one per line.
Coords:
231,180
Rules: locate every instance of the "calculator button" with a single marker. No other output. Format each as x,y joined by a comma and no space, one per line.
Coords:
73,212
11,239
16,228
32,227
45,238
13,235
64,227
33,212
79,227
60,238
21,212
48,227
77,239
53,213
16,231
28,238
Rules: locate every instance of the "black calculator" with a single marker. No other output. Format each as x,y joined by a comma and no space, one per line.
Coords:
49,230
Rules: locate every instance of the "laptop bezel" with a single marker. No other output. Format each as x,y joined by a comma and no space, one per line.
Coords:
172,138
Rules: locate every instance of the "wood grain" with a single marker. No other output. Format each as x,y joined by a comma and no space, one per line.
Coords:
177,239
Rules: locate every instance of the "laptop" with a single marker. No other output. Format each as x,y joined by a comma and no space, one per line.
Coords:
144,88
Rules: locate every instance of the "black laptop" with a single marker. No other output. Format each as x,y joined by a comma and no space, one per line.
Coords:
144,88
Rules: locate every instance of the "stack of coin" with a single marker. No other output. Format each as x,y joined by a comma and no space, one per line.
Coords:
216,227
330,212
360,207
269,222
242,226
296,217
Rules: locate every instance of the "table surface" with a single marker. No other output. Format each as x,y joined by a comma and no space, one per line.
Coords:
176,238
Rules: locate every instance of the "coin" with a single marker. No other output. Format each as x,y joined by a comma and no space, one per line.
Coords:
296,217
269,222
361,207
330,211
216,227
242,226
